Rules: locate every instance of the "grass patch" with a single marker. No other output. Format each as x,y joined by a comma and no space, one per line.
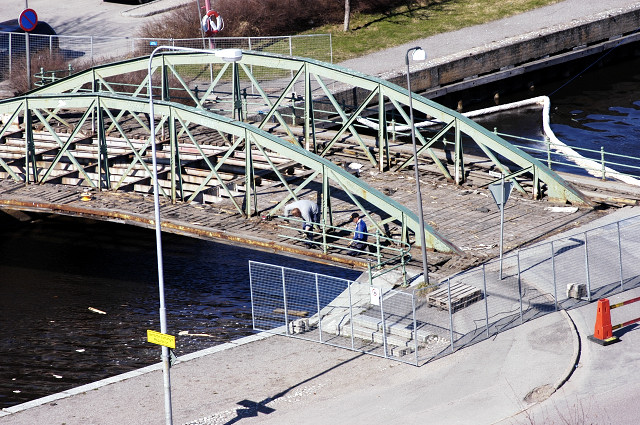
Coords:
373,32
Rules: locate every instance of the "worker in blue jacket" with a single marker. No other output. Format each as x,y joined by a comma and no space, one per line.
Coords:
359,241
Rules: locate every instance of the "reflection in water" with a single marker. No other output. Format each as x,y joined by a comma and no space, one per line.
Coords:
54,269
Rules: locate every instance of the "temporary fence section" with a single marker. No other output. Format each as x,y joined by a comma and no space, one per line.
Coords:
94,50
421,324
338,312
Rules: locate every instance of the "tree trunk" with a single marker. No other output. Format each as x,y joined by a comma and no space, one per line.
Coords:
347,14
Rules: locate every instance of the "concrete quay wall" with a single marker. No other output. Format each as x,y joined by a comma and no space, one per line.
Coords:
517,55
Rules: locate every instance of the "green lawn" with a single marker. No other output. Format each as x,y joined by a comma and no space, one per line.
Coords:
370,33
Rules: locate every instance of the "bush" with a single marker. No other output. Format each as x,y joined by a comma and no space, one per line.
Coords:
259,18
18,82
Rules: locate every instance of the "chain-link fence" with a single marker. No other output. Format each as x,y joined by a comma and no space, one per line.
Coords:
98,50
418,325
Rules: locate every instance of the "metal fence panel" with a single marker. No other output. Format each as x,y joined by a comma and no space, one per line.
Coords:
93,50
503,295
433,323
419,325
603,261
468,307
537,269
267,297
630,251
570,264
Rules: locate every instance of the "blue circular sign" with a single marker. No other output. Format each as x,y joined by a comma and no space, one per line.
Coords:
28,19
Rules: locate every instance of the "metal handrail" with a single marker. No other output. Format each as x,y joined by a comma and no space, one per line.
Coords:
381,242
602,153
48,77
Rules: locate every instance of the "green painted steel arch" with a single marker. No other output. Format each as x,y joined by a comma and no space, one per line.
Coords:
493,145
86,101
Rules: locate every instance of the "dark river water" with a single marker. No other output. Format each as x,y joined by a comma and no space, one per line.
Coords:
53,270
600,109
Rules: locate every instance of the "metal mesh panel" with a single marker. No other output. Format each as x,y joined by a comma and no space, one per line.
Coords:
537,277
398,327
334,298
468,310
569,259
267,297
97,50
504,304
433,323
604,261
630,255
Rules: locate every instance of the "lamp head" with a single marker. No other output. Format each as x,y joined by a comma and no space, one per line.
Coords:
229,55
419,55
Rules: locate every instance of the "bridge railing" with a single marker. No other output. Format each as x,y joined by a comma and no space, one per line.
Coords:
598,161
381,249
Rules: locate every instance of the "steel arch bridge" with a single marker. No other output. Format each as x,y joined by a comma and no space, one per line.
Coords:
91,129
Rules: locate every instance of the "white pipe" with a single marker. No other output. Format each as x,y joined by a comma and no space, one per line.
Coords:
592,167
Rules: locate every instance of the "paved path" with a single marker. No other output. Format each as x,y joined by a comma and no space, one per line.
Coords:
391,61
603,388
301,382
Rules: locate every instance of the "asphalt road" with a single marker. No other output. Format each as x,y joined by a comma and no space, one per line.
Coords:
604,387
89,17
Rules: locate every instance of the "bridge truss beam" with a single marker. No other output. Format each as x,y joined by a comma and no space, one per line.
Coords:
270,88
190,166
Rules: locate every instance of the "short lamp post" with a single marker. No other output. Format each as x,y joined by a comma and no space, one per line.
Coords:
418,55
228,55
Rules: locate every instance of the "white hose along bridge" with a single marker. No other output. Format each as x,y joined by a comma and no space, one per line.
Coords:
246,137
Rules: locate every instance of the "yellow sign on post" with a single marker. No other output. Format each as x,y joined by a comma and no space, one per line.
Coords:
161,339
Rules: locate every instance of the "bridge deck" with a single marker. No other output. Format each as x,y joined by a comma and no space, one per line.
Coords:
466,215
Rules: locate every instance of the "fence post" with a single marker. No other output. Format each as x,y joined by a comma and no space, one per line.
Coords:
325,248
378,254
620,257
384,326
404,267
415,323
319,312
553,275
253,313
450,313
586,265
351,314
519,286
10,53
602,161
284,299
486,302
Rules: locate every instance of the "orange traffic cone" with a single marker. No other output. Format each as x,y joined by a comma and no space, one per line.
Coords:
603,332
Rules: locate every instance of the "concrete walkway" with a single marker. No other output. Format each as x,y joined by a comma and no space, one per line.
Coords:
392,61
280,380
277,380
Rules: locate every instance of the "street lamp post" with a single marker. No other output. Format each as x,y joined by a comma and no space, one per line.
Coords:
228,55
418,55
